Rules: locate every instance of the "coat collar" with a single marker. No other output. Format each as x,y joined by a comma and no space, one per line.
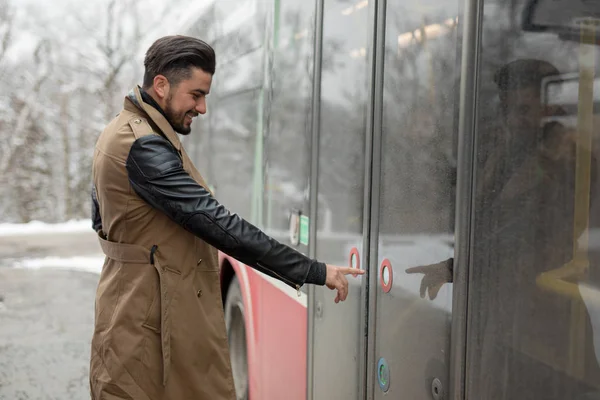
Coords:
135,103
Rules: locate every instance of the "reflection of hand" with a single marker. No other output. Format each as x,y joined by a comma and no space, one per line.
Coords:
336,279
435,276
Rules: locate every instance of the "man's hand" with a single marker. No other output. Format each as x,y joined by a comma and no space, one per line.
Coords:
336,279
435,276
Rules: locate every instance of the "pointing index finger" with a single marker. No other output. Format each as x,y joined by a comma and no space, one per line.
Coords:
352,271
417,270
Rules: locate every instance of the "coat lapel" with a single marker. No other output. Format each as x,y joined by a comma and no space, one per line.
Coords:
167,130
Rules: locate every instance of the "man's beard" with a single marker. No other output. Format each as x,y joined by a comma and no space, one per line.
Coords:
176,121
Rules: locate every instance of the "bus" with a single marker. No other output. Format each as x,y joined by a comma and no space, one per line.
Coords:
457,137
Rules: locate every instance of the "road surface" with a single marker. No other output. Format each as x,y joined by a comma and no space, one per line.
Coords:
46,319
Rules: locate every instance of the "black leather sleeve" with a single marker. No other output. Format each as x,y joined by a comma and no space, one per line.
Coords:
96,219
156,174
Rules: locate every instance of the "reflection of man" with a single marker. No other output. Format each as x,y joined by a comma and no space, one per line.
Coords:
520,98
533,343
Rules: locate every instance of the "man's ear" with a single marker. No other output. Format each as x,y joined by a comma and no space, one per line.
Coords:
161,86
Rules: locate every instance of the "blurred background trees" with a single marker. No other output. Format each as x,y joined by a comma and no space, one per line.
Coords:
64,70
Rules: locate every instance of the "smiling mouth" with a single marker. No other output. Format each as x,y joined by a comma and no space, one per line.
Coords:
191,116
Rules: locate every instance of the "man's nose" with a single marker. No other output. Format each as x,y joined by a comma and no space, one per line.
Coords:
201,107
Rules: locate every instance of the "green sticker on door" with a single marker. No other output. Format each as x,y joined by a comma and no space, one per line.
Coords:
304,230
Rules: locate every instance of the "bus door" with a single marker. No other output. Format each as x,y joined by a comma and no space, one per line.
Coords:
413,199
337,331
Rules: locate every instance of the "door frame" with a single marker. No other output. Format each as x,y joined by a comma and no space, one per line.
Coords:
314,190
373,176
373,121
465,193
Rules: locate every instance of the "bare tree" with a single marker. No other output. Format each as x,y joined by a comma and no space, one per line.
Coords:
23,164
60,89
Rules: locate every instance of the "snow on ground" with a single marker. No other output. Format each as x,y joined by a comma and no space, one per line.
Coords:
82,263
37,227
87,258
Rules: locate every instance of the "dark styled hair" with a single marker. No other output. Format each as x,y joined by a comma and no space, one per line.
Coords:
174,56
523,73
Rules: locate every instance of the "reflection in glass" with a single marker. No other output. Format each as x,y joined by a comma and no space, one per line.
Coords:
417,193
342,132
224,142
531,329
287,145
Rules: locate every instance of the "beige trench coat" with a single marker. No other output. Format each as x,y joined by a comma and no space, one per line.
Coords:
159,324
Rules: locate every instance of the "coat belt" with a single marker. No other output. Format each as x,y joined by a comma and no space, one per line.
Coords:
125,253
135,254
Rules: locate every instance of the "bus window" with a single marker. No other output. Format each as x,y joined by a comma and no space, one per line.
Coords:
533,294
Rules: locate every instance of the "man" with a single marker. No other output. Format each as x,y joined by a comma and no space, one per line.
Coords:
159,326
